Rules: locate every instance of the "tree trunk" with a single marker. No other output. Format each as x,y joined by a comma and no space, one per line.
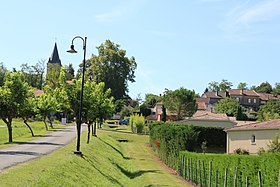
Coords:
10,128
94,129
88,136
46,124
51,125
25,122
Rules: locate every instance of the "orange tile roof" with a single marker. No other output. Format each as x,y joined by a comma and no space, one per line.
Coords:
209,115
243,92
271,124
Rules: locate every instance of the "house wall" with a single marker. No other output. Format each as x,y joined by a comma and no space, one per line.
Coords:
243,140
209,123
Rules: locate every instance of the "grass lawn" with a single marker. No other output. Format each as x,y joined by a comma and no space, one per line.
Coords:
106,162
21,133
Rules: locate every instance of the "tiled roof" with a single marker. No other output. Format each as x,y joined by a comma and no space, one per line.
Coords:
201,106
201,99
267,97
271,124
240,92
209,115
38,92
215,95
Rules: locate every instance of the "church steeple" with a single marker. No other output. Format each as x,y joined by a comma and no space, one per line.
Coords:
54,59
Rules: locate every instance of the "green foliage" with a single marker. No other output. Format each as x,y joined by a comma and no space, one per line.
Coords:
222,86
274,146
228,106
271,110
242,85
3,70
240,115
137,123
13,95
52,77
264,87
247,166
70,72
151,100
112,67
168,139
180,101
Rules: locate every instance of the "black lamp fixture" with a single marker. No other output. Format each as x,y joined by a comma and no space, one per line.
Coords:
79,124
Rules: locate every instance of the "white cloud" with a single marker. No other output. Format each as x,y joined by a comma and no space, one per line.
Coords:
249,13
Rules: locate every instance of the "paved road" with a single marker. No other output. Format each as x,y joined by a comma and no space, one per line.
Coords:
42,146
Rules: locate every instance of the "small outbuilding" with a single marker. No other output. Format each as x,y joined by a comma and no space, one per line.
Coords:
252,137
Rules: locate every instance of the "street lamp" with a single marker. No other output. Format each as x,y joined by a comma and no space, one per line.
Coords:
79,124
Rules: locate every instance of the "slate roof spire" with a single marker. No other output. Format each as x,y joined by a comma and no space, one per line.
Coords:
54,59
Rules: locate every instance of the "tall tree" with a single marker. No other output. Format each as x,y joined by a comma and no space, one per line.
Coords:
271,110
180,101
112,67
70,72
264,87
13,95
3,70
52,78
242,85
225,85
214,86
276,89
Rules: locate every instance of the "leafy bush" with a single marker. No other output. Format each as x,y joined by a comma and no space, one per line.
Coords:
137,123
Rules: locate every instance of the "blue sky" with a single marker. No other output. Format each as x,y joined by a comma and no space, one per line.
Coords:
176,43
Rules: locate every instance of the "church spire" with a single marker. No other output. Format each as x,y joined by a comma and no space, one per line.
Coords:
54,59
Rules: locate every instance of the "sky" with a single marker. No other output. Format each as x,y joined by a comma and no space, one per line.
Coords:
175,43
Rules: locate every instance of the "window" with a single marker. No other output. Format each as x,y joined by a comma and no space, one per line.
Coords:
249,100
253,139
237,98
255,100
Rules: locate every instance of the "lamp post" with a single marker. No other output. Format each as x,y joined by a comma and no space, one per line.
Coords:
79,124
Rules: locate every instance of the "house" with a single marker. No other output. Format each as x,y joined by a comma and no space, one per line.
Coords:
252,137
265,97
209,119
212,99
248,99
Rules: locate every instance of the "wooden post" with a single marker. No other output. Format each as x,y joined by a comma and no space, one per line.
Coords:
204,173
247,182
235,177
217,179
196,180
210,174
279,179
225,179
260,179
200,179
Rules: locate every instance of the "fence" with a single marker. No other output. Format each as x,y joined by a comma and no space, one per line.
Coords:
202,174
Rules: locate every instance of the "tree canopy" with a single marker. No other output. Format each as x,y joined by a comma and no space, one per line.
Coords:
112,67
271,110
264,87
180,101
228,106
222,86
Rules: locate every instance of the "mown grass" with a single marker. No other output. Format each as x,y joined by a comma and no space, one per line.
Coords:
106,162
21,133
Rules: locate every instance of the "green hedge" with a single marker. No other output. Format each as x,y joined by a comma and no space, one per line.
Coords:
190,166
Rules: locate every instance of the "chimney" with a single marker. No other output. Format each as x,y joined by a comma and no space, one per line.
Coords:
217,93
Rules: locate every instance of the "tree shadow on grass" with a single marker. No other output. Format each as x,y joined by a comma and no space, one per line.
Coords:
127,158
133,175
34,143
113,180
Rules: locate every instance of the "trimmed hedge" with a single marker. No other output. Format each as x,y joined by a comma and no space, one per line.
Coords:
245,165
168,139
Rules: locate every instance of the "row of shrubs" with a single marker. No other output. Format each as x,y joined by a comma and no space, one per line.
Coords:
168,139
241,167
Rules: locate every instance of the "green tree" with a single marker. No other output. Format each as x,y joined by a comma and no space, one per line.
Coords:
228,106
274,146
52,78
3,70
242,85
13,95
112,67
214,86
151,100
225,85
276,89
271,110
180,101
264,87
70,72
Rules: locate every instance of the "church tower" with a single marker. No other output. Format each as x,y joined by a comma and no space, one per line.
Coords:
53,68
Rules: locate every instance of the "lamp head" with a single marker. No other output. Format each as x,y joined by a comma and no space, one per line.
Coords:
72,49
